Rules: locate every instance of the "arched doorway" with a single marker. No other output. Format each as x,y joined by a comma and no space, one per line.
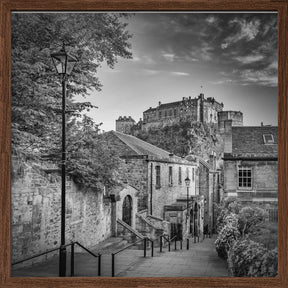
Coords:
127,210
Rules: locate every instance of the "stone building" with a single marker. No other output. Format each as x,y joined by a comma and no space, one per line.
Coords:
251,164
209,188
235,116
159,178
124,124
196,109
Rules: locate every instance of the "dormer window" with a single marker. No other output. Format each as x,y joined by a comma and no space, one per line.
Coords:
268,139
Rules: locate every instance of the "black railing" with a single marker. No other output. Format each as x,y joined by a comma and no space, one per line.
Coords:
88,251
130,245
163,238
72,244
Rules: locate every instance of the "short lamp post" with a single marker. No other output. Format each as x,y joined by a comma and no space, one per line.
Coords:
187,182
64,64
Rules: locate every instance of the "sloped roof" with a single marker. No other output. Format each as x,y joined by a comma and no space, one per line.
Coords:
249,141
143,148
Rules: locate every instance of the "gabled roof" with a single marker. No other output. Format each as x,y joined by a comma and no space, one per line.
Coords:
249,142
141,147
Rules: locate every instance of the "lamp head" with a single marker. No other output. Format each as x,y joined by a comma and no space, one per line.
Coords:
63,62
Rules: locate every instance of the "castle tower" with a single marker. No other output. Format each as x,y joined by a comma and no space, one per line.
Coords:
124,124
235,116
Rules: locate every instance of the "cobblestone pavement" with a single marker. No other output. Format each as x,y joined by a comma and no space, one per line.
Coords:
200,260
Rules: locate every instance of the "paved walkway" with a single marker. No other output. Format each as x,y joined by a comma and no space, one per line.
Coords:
200,260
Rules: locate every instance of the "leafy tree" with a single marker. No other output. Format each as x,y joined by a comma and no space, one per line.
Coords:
93,38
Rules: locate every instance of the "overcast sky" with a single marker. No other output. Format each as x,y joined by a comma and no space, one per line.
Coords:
232,56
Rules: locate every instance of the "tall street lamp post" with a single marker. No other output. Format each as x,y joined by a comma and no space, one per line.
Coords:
187,182
64,64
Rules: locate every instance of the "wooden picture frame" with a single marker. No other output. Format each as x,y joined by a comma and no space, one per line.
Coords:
7,6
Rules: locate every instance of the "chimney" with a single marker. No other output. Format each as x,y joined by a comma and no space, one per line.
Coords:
228,136
159,103
261,124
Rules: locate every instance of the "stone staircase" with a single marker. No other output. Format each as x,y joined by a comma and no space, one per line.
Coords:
109,245
129,228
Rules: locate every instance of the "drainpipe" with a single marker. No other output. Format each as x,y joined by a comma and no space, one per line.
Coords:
151,188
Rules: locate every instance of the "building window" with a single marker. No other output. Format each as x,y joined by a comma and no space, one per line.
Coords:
158,177
160,114
245,177
187,172
180,176
175,112
193,174
170,176
170,113
165,113
268,139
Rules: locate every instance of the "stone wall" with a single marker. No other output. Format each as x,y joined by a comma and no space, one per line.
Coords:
133,193
235,116
36,213
134,172
264,180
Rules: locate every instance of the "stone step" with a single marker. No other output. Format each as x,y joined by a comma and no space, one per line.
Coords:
110,245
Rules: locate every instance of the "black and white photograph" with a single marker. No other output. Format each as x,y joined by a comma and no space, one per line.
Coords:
144,144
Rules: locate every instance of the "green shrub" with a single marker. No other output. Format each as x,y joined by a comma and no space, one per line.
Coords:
249,217
228,206
250,259
228,234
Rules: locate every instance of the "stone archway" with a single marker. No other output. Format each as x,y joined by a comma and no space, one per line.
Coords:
127,210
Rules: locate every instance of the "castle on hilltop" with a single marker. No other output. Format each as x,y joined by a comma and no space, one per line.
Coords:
198,109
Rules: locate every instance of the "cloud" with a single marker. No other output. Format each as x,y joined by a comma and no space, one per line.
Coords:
142,59
273,65
260,77
206,52
135,59
150,71
222,81
180,73
169,56
211,19
246,30
249,58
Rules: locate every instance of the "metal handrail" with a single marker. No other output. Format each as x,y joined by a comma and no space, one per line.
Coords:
130,245
40,254
72,256
87,250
